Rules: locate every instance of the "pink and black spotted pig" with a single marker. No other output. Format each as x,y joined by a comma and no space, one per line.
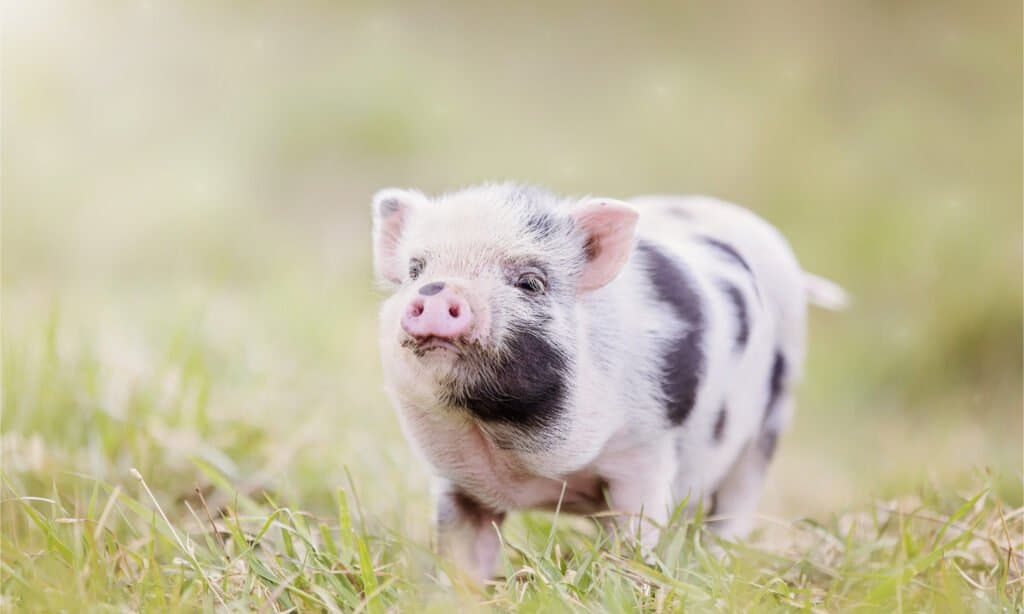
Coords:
637,353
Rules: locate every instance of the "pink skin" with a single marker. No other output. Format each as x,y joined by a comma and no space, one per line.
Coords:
443,315
611,227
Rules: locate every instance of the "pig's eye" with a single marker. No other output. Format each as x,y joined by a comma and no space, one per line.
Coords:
531,283
415,267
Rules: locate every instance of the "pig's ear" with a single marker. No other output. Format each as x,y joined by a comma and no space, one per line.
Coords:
609,227
391,210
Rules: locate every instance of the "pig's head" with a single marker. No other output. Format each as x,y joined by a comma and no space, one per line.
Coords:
486,283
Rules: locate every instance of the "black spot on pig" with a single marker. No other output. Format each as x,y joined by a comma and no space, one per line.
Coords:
742,317
680,212
542,224
525,387
776,381
719,429
729,251
683,363
769,437
767,442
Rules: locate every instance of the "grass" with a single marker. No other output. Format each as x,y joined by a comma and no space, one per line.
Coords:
193,415
122,489
152,460
112,547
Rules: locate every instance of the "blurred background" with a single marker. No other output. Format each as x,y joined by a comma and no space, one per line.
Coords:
186,188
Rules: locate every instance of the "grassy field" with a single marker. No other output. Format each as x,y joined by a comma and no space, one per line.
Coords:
193,415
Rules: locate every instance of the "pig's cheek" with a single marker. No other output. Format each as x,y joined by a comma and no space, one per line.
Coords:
390,329
401,367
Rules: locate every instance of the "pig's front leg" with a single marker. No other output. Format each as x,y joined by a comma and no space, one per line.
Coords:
639,486
466,532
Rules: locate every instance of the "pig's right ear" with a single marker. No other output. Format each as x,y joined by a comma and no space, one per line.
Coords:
609,229
391,210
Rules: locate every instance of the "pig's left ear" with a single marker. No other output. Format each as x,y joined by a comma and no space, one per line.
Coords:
391,210
609,227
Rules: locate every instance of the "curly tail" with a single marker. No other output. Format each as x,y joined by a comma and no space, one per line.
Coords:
825,293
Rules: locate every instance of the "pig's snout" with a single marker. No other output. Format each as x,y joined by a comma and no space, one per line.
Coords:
438,311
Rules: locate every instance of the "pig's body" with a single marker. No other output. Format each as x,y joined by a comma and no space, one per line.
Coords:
671,380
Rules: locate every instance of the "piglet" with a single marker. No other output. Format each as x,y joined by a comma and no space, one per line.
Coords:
544,351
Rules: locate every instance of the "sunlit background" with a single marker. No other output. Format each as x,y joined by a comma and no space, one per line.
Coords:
186,187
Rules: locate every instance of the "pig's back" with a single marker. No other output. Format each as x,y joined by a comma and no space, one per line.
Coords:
688,222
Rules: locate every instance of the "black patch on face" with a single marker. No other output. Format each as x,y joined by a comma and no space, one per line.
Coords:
742,317
729,251
432,289
540,221
542,224
719,430
524,388
683,363
775,384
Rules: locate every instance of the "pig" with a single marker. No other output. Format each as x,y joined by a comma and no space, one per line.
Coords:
587,354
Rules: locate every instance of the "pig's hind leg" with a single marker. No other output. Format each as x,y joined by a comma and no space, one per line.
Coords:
736,498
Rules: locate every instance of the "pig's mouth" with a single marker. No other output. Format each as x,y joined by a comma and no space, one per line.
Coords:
431,344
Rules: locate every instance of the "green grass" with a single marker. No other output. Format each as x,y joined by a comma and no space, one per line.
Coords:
186,293
216,512
113,546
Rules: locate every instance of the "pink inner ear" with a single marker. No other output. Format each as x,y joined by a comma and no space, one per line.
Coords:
610,227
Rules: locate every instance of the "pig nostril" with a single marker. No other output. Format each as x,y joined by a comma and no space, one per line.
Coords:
416,311
453,311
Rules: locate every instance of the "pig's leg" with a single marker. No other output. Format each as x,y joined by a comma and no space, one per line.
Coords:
739,492
640,481
466,533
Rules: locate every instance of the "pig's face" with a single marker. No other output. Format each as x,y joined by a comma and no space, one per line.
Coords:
485,282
